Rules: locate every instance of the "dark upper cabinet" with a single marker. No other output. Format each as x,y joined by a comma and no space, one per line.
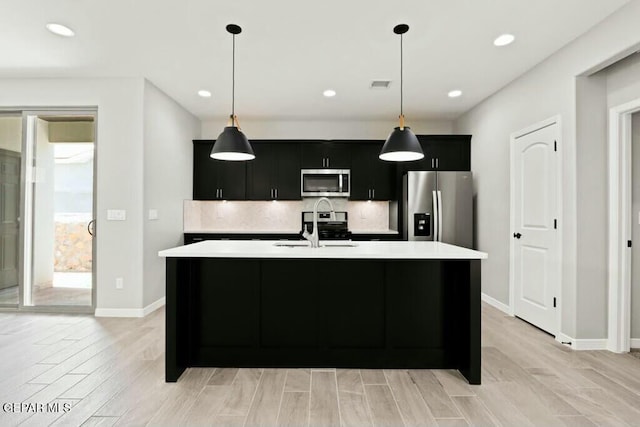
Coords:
371,178
275,172
215,179
326,155
444,153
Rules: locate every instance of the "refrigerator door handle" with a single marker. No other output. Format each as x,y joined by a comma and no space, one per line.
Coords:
440,215
435,216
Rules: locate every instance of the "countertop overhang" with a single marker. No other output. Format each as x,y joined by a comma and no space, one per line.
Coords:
363,250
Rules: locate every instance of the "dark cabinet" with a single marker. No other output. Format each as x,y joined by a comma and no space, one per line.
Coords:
325,155
216,179
371,178
227,298
289,313
409,324
444,153
330,308
275,172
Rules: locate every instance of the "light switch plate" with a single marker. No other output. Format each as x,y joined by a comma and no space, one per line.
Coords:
153,214
116,215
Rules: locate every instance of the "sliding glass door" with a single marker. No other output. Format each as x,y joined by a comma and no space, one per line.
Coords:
59,231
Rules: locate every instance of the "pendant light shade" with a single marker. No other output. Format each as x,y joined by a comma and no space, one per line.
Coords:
232,144
401,145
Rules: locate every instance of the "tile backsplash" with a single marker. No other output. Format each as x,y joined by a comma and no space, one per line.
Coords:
202,216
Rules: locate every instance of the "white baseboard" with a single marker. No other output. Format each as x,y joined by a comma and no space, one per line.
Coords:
130,312
497,304
635,342
154,306
588,344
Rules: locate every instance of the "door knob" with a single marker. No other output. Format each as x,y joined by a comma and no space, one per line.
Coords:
517,235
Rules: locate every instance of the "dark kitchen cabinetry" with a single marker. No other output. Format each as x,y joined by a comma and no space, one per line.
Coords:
371,178
326,155
215,179
330,310
444,153
275,172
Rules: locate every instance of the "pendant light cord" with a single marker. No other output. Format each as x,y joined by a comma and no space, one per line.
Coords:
233,81
401,72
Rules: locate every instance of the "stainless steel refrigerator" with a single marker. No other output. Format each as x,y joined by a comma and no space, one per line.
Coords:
438,206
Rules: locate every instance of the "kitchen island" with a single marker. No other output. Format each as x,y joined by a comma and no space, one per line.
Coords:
385,305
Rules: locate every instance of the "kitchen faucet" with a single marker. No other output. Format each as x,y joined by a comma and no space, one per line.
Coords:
314,237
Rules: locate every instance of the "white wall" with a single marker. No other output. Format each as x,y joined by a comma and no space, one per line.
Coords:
635,220
119,164
168,172
546,91
591,206
11,133
322,129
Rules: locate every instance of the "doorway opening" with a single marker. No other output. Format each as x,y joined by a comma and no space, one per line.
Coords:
620,224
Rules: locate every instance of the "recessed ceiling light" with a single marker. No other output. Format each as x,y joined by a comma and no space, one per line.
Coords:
204,93
504,40
60,29
455,93
329,93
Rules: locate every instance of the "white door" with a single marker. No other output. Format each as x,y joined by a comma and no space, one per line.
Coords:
535,262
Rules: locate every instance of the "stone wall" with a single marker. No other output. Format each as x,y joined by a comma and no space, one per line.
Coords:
72,247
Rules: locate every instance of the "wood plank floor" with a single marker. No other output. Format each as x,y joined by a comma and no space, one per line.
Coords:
48,295
111,372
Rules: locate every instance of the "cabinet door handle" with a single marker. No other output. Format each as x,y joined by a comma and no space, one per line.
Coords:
373,192
433,164
369,194
275,193
221,196
217,193
437,163
327,162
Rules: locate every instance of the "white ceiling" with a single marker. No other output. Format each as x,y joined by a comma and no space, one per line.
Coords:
291,50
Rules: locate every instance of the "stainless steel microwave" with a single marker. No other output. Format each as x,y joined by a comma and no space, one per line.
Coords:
325,182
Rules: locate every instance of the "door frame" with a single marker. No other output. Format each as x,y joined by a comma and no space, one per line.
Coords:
555,120
25,111
620,227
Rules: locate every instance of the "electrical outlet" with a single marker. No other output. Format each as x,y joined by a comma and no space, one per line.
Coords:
119,283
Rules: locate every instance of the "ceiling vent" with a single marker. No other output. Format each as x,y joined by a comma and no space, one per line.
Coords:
380,84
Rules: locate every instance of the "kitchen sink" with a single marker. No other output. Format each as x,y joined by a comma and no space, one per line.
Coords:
325,244
293,244
338,244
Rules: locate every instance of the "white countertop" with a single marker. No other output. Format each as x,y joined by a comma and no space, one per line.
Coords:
209,231
363,250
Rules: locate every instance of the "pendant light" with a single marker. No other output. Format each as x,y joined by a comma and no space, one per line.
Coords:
232,144
401,145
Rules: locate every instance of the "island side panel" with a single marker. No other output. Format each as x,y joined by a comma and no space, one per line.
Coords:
465,276
178,281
